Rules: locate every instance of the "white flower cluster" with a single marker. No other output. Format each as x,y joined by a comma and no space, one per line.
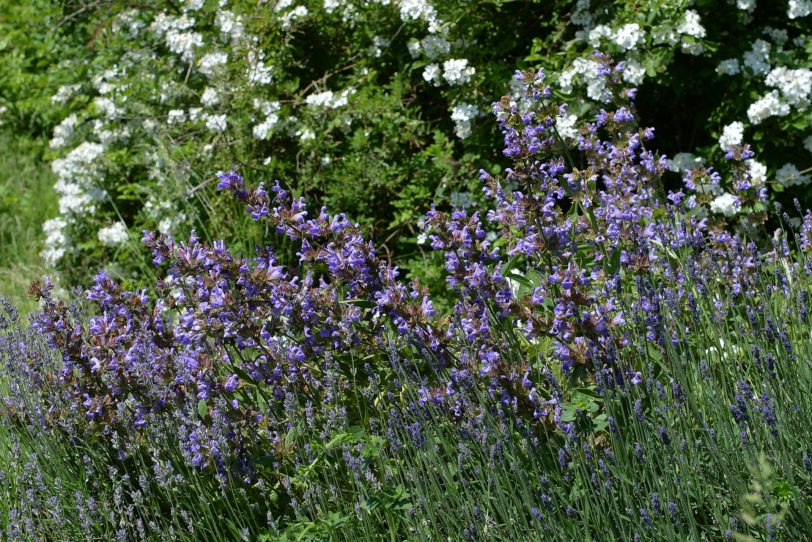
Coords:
795,85
413,10
432,74
115,234
788,175
211,64
176,116
565,125
456,71
76,179
769,105
726,204
746,5
628,36
288,18
176,34
63,131
230,25
329,99
217,123
587,69
799,8
433,46
729,66
56,240
758,57
77,186
271,111
210,97
462,114
684,161
65,93
731,135
691,25
757,172
258,72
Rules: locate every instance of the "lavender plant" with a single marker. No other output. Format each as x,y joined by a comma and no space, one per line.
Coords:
616,365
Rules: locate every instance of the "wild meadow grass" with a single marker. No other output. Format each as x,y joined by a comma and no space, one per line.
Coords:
27,199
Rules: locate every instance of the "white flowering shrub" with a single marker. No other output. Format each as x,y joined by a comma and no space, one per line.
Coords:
379,107
372,107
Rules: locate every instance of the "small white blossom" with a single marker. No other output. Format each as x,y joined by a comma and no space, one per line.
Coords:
63,131
258,72
795,85
757,171
210,97
194,5
799,8
329,99
691,25
457,72
65,93
56,240
114,234
270,110
726,204
778,35
746,5
435,46
599,33
758,57
664,34
414,47
291,16
216,123
462,114
176,116
565,125
431,74
331,5
184,44
728,67
684,161
211,63
230,25
305,134
788,175
769,105
412,10
106,106
731,135
634,72
628,36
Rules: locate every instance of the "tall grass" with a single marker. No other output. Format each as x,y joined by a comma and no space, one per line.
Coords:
27,199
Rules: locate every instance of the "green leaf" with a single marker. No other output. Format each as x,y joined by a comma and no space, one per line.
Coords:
202,408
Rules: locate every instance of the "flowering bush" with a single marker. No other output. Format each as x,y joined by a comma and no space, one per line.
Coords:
603,332
374,107
739,71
